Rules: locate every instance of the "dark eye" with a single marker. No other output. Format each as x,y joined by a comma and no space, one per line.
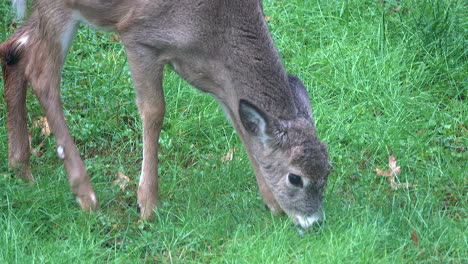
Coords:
295,180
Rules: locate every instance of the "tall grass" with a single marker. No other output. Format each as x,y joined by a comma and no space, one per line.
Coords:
383,78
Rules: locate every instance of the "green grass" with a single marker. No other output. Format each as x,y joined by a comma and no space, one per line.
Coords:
380,82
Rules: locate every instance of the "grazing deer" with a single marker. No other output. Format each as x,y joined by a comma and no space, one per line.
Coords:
221,47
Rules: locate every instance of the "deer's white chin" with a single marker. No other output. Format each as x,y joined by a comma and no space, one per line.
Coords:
307,221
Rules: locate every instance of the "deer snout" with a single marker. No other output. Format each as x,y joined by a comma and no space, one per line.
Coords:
306,221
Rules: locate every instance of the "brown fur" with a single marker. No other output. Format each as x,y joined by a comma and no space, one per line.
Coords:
221,47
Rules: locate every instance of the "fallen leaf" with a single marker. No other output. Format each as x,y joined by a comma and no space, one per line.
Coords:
122,181
268,18
391,173
114,38
14,24
228,157
415,238
44,125
36,151
393,169
396,9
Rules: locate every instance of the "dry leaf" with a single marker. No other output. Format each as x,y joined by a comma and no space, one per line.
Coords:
393,169
14,24
396,9
391,173
415,238
114,38
44,125
268,18
37,151
228,157
122,180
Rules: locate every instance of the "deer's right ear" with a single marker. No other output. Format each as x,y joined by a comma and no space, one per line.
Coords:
300,96
255,121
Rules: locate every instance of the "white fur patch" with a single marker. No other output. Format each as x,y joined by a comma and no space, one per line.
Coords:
23,40
93,199
61,152
307,221
78,200
142,167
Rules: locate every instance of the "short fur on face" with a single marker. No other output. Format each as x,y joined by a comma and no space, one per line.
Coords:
290,147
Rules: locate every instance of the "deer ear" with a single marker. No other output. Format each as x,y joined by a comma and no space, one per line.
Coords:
300,96
255,121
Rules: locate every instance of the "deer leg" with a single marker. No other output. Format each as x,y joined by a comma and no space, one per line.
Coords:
18,141
147,75
47,90
49,97
45,57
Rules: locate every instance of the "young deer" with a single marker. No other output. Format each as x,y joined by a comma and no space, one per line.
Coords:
221,47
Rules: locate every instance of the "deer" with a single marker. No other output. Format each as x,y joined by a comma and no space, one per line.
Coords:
221,47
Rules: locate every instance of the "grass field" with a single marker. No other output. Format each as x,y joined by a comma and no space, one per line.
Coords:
382,80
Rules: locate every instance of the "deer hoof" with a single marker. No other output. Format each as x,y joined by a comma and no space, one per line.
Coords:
146,214
25,174
89,203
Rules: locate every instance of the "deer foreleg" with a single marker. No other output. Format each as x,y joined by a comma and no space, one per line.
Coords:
147,75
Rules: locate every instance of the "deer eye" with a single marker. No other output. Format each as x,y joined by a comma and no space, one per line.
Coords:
295,180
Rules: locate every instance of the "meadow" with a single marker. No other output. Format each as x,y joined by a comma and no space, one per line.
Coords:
384,77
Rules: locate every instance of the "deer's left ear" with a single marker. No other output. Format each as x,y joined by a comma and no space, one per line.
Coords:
256,122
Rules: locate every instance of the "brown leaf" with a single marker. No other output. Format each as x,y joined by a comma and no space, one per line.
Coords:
391,172
393,169
228,157
14,24
114,38
44,125
122,180
37,151
415,238
396,9
268,18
